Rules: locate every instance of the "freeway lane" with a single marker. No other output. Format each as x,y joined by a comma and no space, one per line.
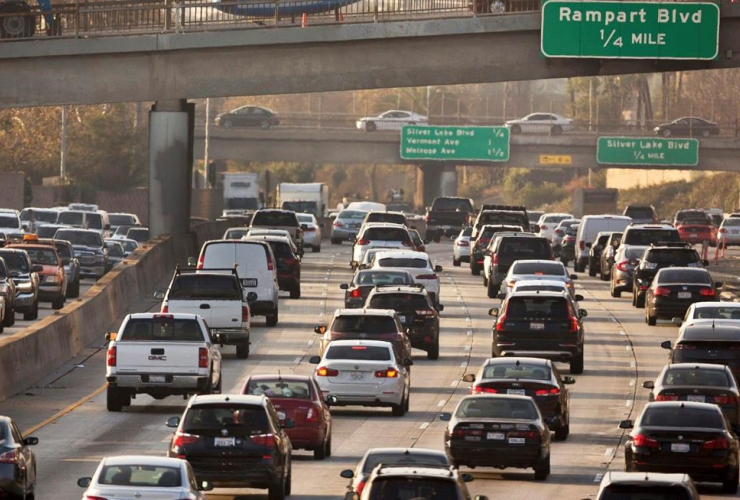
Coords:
72,445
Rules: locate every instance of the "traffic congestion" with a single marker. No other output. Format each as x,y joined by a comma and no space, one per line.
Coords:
491,352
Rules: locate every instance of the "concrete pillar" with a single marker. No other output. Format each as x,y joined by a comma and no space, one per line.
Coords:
433,180
171,127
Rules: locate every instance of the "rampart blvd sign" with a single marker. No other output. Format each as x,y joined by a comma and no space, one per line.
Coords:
647,151
630,30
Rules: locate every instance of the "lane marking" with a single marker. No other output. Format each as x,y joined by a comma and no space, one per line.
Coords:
470,332
442,402
614,320
454,383
628,402
628,347
632,382
463,364
598,477
621,332
424,425
65,411
608,452
297,360
632,364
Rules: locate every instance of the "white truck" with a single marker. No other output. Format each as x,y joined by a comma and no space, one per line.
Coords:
310,198
218,298
161,355
241,191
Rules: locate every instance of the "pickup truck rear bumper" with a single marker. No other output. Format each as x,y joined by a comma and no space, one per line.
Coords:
232,336
173,383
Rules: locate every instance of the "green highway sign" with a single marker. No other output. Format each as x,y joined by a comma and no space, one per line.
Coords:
647,151
420,142
630,30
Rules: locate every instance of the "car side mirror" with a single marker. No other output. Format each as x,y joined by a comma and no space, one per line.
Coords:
251,296
84,482
218,338
332,400
304,226
111,336
666,345
579,297
159,295
344,286
589,245
718,284
480,497
648,384
288,423
347,474
569,380
37,268
574,276
314,360
501,295
677,321
205,486
31,441
445,417
437,268
408,362
408,331
493,311
705,262
319,329
468,478
107,227
352,238
192,262
469,377
626,424
362,266
173,422
582,313
440,307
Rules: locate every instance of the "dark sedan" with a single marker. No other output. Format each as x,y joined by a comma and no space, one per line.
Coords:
248,116
17,462
693,438
498,431
364,281
533,377
298,398
688,127
674,289
698,383
288,263
7,292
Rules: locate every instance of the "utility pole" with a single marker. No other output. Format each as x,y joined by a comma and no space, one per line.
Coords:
207,134
590,102
429,92
63,149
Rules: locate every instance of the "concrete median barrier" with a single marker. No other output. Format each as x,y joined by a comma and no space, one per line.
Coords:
34,353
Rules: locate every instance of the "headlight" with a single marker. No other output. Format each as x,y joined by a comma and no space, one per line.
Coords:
53,279
26,286
649,265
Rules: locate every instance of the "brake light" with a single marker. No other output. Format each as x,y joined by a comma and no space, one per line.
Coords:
263,440
524,434
716,444
389,373
543,228
338,224
483,390
573,324
662,291
547,392
559,232
457,432
184,439
622,266
642,441
361,485
9,457
355,293
87,497
201,260
679,347
723,230
112,351
363,242
312,415
707,292
463,243
427,277
270,264
165,308
291,261
326,372
582,245
494,259
500,322
245,313
425,312
666,397
725,400
203,357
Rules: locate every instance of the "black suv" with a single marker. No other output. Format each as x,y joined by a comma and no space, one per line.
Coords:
507,249
356,292
416,312
655,258
650,234
288,264
479,245
7,292
235,441
539,325
501,214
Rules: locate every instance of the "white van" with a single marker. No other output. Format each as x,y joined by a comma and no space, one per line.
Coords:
255,266
591,225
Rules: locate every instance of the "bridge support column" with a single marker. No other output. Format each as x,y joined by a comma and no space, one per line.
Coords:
433,180
171,127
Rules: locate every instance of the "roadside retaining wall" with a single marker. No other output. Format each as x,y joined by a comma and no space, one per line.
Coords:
37,351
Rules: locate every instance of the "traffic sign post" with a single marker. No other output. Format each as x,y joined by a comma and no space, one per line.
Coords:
454,143
647,151
630,30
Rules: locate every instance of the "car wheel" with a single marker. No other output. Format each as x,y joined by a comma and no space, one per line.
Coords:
58,304
666,132
591,269
316,249
649,318
33,314
272,319
561,433
516,129
265,125
614,292
328,446
640,300
556,130
491,290
371,127
295,293
433,352
217,389
475,269
277,491
399,410
730,483
455,262
320,452
9,315
113,399
242,350
74,290
576,364
705,133
604,276
542,469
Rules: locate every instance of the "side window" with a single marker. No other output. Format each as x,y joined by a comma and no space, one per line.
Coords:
17,436
208,331
272,417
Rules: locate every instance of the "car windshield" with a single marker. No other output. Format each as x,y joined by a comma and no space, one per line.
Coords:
353,214
677,257
639,212
668,276
517,371
525,248
122,229
9,221
40,215
129,245
71,218
386,234
402,458
401,262
537,307
166,329
236,419
274,219
280,389
496,408
235,234
468,231
360,323
386,217
81,238
140,476
382,278
448,204
416,488
538,268
139,234
678,416
716,312
115,249
644,492
555,218
645,237
399,301
696,376
46,231
15,261
358,352
121,219
503,218
281,249
204,287
42,256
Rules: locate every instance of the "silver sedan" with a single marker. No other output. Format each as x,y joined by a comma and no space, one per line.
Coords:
530,270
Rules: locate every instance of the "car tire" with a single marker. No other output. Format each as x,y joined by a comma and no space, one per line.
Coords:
315,249
265,125
556,130
277,491
591,268
74,290
491,290
730,483
328,446
295,293
614,292
272,319
604,276
666,132
8,320
320,452
336,241
640,300
242,350
576,364
113,400
561,433
371,127
437,238
475,269
455,262
515,129
58,303
650,319
542,469
2,325
399,410
33,314
433,352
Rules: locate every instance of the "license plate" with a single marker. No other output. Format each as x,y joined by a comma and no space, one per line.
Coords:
472,438
695,399
250,282
516,440
224,441
693,235
497,436
680,447
536,326
356,375
684,295
157,379
518,392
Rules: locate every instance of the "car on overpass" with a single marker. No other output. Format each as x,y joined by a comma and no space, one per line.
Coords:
390,120
248,116
687,126
549,123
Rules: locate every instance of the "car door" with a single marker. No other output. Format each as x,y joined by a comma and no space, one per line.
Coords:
535,123
27,460
682,127
238,117
386,121
215,352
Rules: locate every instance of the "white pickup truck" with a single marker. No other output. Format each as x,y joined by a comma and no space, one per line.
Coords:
161,355
218,298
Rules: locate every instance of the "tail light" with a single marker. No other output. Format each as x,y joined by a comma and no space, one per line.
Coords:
622,266
165,308
270,263
494,259
312,415
716,444
389,373
483,390
427,277
680,347
547,392
184,439
457,432
245,314
511,284
463,243
523,434
723,230
666,397
338,224
582,245
725,400
309,229
356,293
9,457
573,327
500,322
363,242
361,485
263,440
543,228
642,441
203,357
426,218
291,261
707,292
112,351
559,232
326,372
201,260
662,291
425,312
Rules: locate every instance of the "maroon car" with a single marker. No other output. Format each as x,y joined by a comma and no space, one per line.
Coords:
299,398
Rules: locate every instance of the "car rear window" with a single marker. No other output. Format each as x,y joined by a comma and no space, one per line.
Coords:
165,329
43,256
716,312
281,250
386,217
16,261
645,237
50,231
140,476
644,492
416,487
289,389
73,218
731,222
139,234
275,219
382,278
357,323
82,238
94,221
401,262
668,276
521,371
696,376
235,234
305,218
237,419
537,307
399,301
351,214
468,231
539,268
639,212
525,248
358,352
678,256
674,416
496,408
122,219
204,287
386,234
461,205
402,459
516,219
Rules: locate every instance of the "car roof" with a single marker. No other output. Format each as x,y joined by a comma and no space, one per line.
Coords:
694,366
640,478
364,312
704,330
157,315
511,360
271,210
406,254
157,461
390,212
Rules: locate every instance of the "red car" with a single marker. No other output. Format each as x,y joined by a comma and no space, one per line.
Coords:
299,398
696,229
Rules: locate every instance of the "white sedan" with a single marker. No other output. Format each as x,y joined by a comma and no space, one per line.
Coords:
144,478
417,264
311,231
390,120
461,247
541,123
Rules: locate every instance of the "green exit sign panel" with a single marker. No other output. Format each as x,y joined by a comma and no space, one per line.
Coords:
630,30
454,143
647,151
